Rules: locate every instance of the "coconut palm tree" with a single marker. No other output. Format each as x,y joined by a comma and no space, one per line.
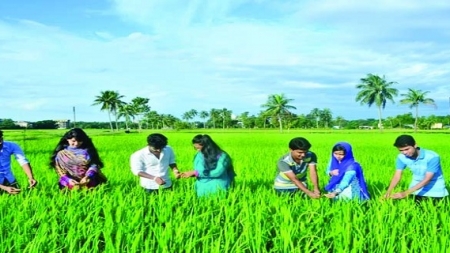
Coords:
414,98
168,120
376,90
152,119
109,101
326,116
204,115
315,113
226,117
214,115
187,116
140,107
339,120
278,105
128,111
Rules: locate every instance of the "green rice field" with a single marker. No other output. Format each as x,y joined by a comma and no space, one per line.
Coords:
120,217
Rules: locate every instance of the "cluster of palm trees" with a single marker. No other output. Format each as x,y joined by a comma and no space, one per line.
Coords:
373,90
377,90
111,101
215,115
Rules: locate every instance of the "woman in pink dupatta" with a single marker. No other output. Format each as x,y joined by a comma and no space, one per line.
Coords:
76,161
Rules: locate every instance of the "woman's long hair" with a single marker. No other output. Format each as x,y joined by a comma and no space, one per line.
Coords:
211,153
87,144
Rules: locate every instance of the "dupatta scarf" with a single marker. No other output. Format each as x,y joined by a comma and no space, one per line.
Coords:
347,163
72,161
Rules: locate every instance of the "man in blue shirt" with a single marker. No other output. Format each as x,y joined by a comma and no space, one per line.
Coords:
8,182
425,165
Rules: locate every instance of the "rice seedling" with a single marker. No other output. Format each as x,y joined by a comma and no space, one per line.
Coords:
121,217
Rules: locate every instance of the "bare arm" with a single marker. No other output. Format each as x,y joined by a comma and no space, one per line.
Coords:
300,185
394,181
9,189
158,180
175,170
314,178
29,172
425,181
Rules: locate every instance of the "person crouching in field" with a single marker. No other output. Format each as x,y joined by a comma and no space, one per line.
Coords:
347,179
76,161
8,182
213,167
427,181
151,164
292,169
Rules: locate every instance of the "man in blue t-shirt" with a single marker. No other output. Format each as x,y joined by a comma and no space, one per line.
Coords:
425,165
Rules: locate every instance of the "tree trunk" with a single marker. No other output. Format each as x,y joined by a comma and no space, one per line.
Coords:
417,116
380,124
110,121
281,123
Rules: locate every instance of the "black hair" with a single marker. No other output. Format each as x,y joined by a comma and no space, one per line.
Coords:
299,143
156,140
87,144
1,133
339,147
404,141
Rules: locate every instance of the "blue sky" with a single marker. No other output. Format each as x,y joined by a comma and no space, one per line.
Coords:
200,54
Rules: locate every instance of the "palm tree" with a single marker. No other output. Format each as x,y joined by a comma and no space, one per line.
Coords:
414,98
168,120
110,101
193,114
244,118
204,115
152,118
278,105
140,106
376,90
226,117
339,120
187,116
326,116
315,113
214,115
128,111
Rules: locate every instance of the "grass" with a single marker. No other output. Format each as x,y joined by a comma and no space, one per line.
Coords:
121,217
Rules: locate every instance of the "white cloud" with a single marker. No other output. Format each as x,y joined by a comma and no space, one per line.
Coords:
233,54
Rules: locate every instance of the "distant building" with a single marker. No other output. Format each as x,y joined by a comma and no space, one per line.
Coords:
437,126
366,127
63,123
24,124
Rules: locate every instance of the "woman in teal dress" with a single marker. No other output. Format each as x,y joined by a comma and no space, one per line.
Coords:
213,167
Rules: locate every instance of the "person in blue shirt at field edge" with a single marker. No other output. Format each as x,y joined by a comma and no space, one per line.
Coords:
8,182
425,165
292,170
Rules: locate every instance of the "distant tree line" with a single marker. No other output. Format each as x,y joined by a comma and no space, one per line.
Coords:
244,120
277,113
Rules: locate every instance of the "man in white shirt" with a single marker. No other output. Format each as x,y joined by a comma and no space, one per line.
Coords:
152,163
